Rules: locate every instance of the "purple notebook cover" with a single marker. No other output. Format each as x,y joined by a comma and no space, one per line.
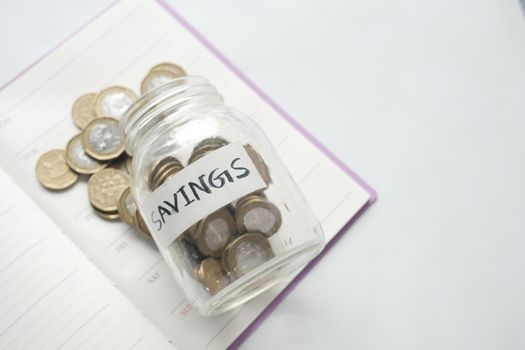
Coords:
373,196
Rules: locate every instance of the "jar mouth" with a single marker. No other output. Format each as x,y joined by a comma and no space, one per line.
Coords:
152,108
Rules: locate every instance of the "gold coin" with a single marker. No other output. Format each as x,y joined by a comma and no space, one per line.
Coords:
79,160
114,102
105,187
102,139
214,232
53,172
141,224
246,253
84,110
211,274
107,215
256,214
170,67
252,196
127,206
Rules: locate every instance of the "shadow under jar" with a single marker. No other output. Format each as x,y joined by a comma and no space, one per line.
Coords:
225,213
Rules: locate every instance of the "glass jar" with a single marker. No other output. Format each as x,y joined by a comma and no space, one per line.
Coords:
224,211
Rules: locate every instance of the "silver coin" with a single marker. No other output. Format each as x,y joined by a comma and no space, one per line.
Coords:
259,219
155,79
114,102
249,255
79,160
217,234
101,139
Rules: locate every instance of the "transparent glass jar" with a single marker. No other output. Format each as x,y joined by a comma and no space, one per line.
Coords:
221,206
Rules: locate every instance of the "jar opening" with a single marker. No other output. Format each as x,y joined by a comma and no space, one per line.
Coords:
172,100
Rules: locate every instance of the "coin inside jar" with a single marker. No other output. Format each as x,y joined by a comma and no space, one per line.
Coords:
102,140
211,274
79,160
114,102
214,232
259,163
191,256
256,214
83,110
246,253
163,170
127,206
53,172
206,146
105,187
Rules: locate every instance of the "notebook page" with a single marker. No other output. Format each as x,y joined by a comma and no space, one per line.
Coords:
51,296
118,49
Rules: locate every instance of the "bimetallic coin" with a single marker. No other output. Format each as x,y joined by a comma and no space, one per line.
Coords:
214,232
154,79
114,102
211,274
105,187
102,140
78,160
127,206
246,253
107,215
256,214
170,67
84,110
141,224
53,172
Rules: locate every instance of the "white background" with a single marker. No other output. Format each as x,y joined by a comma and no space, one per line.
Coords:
426,101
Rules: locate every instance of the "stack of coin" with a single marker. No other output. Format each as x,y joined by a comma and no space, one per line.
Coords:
224,245
104,190
254,213
259,163
213,233
162,171
159,75
206,146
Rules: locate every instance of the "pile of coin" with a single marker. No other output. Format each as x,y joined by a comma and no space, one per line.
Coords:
97,152
218,249
233,240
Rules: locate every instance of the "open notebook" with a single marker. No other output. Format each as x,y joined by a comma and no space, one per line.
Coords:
71,280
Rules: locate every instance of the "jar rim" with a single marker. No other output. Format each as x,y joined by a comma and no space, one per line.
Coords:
175,96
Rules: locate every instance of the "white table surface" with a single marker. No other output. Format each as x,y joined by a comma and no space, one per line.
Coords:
426,101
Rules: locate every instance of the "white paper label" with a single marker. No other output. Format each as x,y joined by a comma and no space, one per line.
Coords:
208,184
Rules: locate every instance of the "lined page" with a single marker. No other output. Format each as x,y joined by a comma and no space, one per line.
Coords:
118,49
51,296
